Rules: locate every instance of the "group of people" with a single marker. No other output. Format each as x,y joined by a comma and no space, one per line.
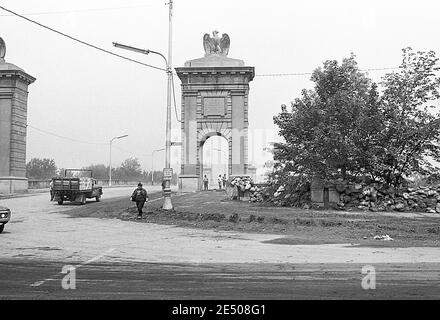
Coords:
221,182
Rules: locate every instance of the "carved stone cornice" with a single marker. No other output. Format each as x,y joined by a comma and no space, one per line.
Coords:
186,72
17,74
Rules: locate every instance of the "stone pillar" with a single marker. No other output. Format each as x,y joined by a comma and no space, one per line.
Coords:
214,102
323,194
13,118
239,134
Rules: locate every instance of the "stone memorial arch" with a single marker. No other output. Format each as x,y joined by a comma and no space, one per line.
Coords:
14,83
215,92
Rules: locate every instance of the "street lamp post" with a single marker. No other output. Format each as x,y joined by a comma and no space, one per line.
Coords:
167,205
110,161
152,163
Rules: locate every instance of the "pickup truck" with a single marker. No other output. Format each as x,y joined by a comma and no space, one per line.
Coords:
77,185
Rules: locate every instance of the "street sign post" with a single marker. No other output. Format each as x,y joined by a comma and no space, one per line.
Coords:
168,173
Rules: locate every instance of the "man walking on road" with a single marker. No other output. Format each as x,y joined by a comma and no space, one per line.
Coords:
140,196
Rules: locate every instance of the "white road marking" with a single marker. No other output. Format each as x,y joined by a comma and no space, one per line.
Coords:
39,283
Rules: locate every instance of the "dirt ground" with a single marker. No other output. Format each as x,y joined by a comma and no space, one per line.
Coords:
212,210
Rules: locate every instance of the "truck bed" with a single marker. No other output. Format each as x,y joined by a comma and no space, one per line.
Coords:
74,184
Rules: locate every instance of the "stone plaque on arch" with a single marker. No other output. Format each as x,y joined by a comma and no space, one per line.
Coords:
215,92
214,106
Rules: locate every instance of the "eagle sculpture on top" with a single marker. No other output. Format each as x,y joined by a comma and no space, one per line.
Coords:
215,44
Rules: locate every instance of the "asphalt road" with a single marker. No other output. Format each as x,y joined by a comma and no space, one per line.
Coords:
116,259
43,280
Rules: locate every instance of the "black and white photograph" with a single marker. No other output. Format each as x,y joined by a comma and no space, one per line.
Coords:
219,155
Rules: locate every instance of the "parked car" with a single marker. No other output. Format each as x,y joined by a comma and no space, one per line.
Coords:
5,216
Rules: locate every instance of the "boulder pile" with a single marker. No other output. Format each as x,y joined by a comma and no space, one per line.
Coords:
256,194
292,196
378,197
374,197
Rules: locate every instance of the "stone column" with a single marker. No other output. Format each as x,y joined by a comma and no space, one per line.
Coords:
239,133
13,118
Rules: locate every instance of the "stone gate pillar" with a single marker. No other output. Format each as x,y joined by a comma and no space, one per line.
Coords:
13,117
215,92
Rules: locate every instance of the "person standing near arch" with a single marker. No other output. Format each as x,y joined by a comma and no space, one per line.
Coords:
225,179
205,183
220,181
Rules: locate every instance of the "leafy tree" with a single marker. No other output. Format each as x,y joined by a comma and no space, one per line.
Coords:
41,168
129,169
100,171
411,139
345,128
324,130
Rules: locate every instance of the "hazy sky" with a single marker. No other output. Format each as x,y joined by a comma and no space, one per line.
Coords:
91,96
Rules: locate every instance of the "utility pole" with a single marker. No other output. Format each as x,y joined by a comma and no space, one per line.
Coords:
152,164
167,205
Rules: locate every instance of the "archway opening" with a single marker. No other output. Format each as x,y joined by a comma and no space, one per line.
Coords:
215,160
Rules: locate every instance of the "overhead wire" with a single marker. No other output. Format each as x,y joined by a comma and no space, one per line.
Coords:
64,137
75,11
81,41
310,73
137,62
87,142
132,153
145,64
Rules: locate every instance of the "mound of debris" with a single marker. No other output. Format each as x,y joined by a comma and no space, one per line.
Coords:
243,188
374,197
378,197
292,196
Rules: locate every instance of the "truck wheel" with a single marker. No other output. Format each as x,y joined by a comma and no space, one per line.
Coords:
2,227
98,198
60,202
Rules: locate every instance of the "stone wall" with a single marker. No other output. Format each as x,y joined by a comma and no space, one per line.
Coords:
378,197
342,195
